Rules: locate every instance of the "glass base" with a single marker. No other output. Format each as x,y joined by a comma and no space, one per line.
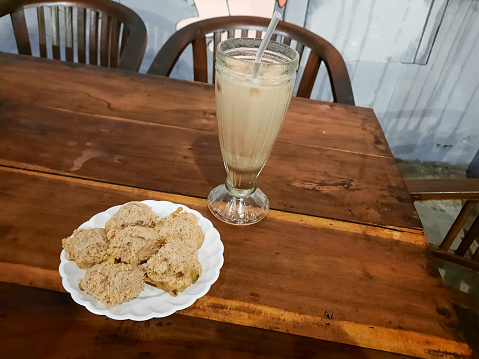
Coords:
241,209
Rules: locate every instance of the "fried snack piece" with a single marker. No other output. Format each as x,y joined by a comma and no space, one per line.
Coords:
173,268
86,247
132,214
133,244
181,228
113,284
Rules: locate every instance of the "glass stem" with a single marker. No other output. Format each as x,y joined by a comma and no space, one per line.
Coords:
240,192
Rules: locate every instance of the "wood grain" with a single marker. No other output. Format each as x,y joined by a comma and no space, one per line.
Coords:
146,98
400,234
257,316
73,330
306,270
297,178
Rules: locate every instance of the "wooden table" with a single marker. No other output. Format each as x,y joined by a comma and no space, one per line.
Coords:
338,268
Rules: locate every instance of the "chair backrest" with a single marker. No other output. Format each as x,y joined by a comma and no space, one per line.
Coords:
217,29
102,32
466,189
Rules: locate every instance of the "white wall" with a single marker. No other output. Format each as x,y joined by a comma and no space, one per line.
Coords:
428,112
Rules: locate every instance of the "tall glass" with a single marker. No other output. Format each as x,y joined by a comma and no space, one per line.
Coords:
250,111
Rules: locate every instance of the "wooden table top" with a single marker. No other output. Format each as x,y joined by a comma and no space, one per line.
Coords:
339,267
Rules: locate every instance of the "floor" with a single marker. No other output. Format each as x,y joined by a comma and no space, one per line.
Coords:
437,217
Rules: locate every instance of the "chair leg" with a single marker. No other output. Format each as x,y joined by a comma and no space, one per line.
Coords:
461,219
475,256
470,236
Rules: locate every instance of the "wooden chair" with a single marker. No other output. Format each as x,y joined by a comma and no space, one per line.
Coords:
200,32
467,190
116,35
466,305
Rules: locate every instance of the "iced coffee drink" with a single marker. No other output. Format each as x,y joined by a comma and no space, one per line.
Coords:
250,111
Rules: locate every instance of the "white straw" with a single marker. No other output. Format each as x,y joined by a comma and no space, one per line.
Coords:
267,36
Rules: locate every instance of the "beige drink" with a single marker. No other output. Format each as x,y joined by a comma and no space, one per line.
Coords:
251,102
250,113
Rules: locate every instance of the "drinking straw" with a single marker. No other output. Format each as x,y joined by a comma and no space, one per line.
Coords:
267,36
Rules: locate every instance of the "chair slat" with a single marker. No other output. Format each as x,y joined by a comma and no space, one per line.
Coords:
114,42
470,236
124,37
200,61
55,23
259,34
216,41
105,39
69,33
244,32
231,34
456,227
475,256
93,43
300,50
81,35
310,72
274,37
42,35
21,32
287,40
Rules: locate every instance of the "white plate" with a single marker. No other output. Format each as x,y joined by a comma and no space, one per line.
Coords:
152,302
